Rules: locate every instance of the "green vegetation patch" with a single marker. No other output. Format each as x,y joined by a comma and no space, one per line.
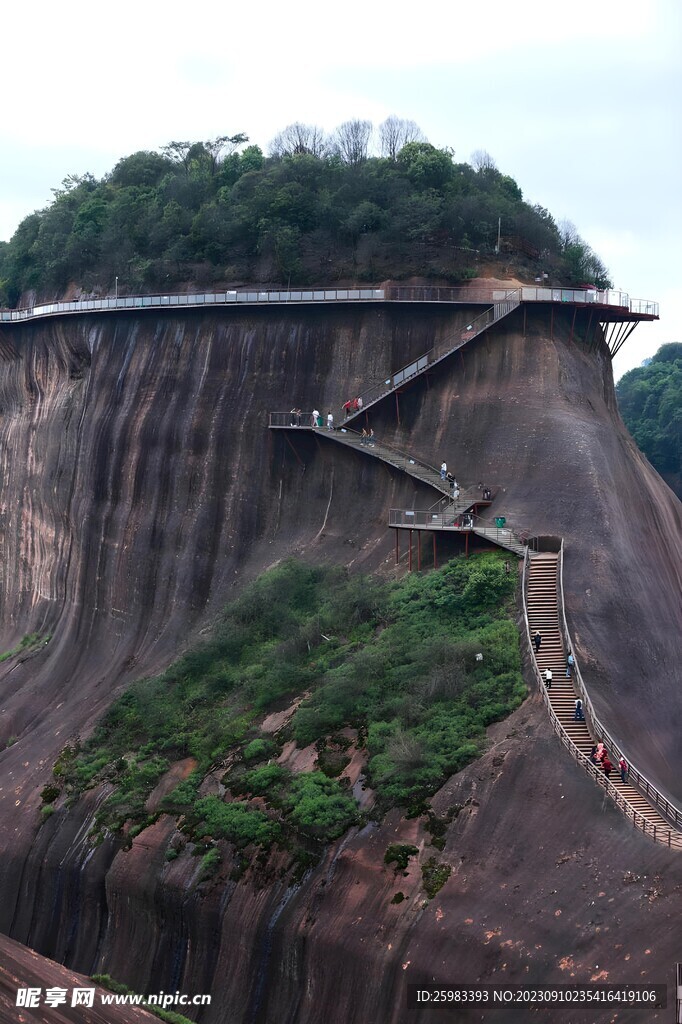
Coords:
434,876
396,661
650,402
399,854
27,643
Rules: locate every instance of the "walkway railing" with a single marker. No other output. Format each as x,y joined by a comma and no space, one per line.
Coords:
599,730
472,296
445,347
458,522
657,833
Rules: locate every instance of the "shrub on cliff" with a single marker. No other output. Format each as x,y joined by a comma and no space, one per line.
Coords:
235,822
396,661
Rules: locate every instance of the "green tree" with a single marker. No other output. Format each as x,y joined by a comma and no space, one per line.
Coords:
650,401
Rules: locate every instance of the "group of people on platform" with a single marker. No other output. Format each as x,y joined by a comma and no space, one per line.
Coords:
599,754
296,419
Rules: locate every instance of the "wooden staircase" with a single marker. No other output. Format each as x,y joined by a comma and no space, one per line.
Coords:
542,602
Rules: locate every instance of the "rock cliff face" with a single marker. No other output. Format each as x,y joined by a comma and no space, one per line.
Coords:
140,487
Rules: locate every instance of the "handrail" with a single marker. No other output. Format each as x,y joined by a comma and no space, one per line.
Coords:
658,834
464,296
283,419
643,783
445,347
448,520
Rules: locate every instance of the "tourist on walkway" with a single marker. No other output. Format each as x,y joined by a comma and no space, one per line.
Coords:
601,750
371,439
548,678
330,420
346,407
315,419
537,640
443,470
294,418
623,765
578,715
607,766
364,437
593,754
570,662
358,403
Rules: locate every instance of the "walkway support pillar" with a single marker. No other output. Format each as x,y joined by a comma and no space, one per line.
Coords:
419,550
409,554
435,560
397,546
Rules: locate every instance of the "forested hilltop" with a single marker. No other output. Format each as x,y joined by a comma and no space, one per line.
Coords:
650,401
318,209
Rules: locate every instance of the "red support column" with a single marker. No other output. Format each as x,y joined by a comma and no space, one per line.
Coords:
419,550
397,409
409,554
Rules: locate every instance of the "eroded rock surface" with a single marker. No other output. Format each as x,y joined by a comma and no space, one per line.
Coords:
141,487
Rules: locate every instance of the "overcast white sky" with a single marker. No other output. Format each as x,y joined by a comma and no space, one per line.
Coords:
579,102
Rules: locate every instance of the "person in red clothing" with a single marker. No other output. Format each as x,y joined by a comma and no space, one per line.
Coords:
623,765
606,765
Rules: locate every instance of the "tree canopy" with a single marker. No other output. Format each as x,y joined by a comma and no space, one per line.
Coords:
318,209
650,401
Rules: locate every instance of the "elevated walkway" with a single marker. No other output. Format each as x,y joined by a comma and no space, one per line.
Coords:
415,468
638,800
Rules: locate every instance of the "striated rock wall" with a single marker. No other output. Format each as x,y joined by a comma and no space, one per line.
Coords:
140,487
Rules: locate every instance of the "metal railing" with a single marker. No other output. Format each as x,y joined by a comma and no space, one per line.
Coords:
647,788
657,833
459,522
445,347
195,299
381,449
474,296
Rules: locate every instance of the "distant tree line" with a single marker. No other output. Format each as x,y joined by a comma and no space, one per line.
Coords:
360,204
650,402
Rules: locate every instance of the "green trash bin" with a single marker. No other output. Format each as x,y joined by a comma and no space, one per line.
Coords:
500,521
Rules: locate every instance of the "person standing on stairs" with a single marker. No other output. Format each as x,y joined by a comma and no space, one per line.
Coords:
578,715
537,640
548,678
623,765
330,420
443,470
570,662
606,765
